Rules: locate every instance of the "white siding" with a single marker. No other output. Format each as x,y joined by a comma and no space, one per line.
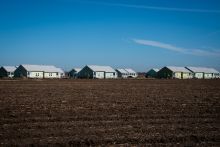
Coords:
216,76
177,75
208,76
105,75
100,75
11,74
198,75
35,75
124,75
110,75
52,75
186,76
133,75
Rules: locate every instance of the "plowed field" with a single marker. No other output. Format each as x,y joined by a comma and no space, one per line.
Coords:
110,112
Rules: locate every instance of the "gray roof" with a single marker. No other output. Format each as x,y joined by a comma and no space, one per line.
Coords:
9,68
155,69
44,68
101,68
60,70
129,70
178,69
77,69
123,71
202,69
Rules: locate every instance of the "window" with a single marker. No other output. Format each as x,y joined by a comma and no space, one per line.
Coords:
113,74
37,74
57,73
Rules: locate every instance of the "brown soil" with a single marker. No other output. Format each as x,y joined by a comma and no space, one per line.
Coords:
110,112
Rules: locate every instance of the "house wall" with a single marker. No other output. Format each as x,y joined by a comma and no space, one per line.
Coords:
121,75
52,75
216,75
165,73
73,74
208,76
86,72
100,75
198,75
10,74
182,75
186,76
35,74
3,72
20,72
124,75
151,73
132,75
178,75
110,75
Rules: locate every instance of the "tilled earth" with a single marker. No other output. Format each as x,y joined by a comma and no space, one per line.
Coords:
110,112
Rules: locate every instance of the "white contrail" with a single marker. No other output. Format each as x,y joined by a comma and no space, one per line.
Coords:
197,52
154,7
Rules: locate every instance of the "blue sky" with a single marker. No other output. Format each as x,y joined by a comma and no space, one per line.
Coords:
140,34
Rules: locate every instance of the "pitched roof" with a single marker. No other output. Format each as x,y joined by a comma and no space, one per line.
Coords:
44,68
9,68
155,69
202,69
178,69
122,70
129,70
60,70
77,69
101,68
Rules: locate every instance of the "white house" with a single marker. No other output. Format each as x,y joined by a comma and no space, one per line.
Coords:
62,72
7,71
122,73
204,72
38,71
175,72
97,72
131,73
74,72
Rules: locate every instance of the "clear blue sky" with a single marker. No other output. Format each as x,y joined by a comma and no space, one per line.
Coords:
121,33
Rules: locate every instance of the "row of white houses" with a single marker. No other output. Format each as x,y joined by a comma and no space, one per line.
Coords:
106,72
31,71
188,72
102,72
50,71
